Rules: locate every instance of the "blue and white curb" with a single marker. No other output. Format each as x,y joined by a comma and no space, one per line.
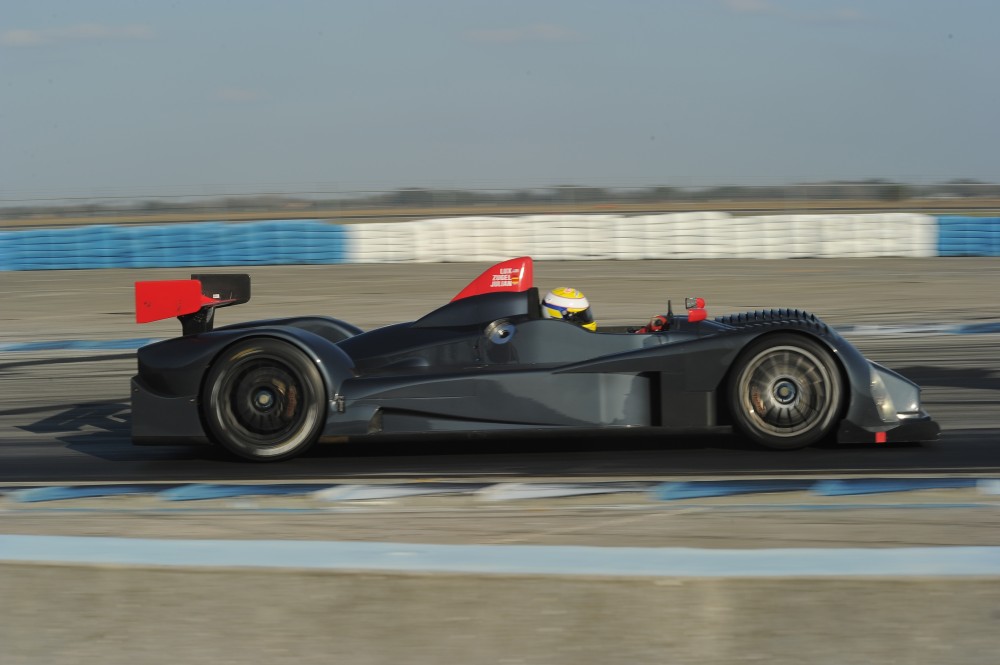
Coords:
506,559
985,328
129,344
657,491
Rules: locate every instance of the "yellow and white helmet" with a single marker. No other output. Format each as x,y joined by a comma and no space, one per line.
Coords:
568,304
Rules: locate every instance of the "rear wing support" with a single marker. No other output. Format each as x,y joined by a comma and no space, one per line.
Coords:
193,301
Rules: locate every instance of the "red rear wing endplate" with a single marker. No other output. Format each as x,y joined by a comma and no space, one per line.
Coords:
165,299
186,298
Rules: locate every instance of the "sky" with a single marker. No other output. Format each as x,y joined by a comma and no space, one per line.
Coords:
142,97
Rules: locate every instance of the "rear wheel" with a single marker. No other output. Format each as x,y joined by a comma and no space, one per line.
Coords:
264,400
785,392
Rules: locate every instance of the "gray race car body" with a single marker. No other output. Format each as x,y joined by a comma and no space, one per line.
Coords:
489,361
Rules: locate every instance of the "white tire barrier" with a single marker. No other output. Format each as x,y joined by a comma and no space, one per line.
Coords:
694,235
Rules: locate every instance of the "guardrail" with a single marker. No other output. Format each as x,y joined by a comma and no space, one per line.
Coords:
692,235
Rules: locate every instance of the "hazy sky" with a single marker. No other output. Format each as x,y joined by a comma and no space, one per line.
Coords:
136,97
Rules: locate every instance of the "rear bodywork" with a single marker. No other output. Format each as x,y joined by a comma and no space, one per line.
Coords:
488,361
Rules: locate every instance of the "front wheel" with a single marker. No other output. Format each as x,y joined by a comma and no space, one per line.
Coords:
785,392
263,400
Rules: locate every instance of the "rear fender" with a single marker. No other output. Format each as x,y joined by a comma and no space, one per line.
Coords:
334,365
166,392
177,367
327,327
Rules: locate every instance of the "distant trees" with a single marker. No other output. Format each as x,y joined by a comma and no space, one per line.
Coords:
424,198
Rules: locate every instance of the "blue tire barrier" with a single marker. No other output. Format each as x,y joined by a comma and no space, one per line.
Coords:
174,245
968,236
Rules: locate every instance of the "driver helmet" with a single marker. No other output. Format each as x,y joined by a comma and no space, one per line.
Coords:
568,304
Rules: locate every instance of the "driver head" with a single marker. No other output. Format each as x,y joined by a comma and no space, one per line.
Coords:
568,304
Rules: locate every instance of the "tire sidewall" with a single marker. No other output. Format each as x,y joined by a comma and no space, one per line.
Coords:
294,360
819,431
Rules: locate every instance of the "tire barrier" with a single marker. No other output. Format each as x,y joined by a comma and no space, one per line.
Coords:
698,235
694,235
174,245
969,236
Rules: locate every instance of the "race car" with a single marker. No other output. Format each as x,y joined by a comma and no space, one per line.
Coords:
489,361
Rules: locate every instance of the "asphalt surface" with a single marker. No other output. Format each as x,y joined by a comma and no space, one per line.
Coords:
64,414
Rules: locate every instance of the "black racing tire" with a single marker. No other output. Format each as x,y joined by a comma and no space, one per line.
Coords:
264,400
786,391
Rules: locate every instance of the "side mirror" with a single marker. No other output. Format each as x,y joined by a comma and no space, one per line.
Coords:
693,303
696,309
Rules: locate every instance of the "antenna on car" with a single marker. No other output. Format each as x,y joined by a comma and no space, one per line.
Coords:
670,314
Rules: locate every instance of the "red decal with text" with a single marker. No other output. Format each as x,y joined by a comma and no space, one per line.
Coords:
512,275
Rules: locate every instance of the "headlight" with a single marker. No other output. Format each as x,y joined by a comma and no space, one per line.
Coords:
883,401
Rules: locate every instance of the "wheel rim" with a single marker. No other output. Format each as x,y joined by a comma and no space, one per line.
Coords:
265,401
786,391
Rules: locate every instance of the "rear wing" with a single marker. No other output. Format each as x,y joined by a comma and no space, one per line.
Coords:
193,301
